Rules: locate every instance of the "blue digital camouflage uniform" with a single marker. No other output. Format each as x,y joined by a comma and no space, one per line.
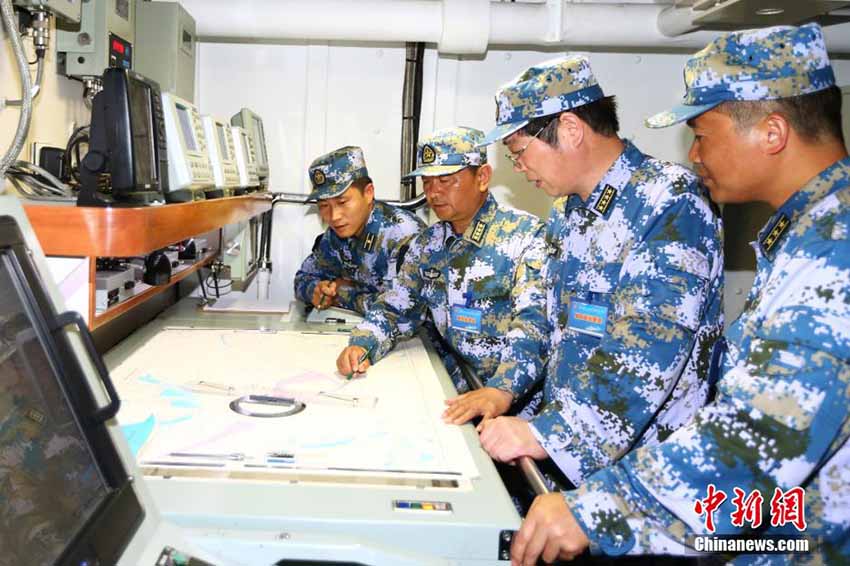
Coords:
493,268
370,259
781,418
643,254
634,286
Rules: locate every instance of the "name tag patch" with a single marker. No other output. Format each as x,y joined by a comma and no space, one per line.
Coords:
466,319
587,318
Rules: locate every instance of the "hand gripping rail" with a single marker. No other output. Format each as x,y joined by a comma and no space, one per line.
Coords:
526,464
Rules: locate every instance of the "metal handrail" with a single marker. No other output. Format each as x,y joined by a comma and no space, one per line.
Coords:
413,204
526,465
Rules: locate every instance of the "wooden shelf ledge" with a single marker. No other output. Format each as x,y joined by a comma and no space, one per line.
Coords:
80,231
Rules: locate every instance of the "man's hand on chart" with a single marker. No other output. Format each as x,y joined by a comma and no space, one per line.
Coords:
324,295
488,402
352,360
507,438
549,531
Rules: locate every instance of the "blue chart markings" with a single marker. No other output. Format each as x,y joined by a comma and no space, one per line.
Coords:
174,392
138,433
180,398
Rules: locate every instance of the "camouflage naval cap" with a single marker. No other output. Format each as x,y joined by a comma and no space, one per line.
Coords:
762,64
331,174
546,88
448,151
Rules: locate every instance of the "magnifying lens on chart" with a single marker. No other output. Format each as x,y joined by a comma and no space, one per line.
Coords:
266,406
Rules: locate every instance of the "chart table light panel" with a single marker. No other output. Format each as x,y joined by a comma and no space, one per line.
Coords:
176,392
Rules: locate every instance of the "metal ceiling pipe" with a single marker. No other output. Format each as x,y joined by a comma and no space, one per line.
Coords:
622,25
323,20
466,26
553,23
525,24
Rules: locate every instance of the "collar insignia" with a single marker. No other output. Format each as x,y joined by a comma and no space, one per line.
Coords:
607,197
478,232
775,234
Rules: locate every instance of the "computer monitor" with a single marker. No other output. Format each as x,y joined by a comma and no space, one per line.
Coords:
127,162
253,125
222,157
67,498
190,173
246,162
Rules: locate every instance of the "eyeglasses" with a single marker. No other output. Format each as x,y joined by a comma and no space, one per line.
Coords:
515,157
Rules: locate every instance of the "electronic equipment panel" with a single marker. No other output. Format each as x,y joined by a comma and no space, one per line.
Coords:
55,429
246,160
251,122
69,10
222,157
104,38
127,162
189,169
165,46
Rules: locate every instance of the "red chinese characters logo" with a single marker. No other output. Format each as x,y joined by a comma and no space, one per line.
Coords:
786,507
709,505
747,509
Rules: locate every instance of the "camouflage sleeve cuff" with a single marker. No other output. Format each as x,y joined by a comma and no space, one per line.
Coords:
504,380
363,301
602,513
556,436
346,297
365,338
304,290
369,342
355,298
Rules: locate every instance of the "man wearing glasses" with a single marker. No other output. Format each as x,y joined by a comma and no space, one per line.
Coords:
476,273
633,277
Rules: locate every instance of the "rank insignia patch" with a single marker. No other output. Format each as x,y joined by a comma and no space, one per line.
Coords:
608,195
775,233
478,232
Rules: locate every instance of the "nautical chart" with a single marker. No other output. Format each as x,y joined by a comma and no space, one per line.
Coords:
176,390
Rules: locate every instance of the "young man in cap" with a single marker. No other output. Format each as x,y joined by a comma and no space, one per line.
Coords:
358,254
476,272
770,455
634,277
